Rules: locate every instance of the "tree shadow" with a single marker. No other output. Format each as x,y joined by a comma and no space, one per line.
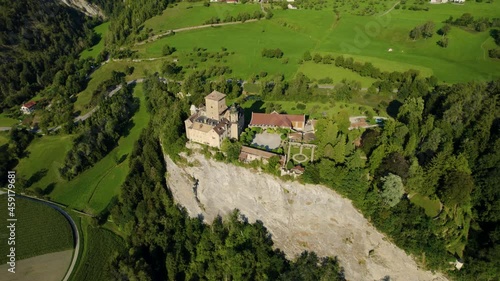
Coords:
393,108
49,188
257,107
36,177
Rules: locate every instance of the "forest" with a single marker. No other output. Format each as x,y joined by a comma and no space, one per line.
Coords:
37,39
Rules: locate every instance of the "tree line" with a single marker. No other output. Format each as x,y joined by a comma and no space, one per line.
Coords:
243,17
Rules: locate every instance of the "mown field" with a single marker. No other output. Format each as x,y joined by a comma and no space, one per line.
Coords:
39,230
92,190
180,15
101,30
99,246
365,38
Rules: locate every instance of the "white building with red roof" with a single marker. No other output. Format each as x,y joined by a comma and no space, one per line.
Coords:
28,107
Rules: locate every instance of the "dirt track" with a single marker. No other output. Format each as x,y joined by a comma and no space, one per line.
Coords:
48,267
299,217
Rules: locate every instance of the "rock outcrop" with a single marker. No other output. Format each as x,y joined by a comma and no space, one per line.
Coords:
299,217
85,7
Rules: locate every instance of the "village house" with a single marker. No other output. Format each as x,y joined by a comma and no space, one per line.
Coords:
249,154
212,123
275,120
28,107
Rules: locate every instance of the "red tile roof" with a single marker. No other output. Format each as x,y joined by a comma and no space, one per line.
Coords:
276,119
29,104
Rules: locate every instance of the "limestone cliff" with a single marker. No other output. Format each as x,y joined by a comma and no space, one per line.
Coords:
85,7
299,217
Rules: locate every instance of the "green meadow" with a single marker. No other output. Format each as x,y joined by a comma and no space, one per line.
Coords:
365,38
101,30
93,189
4,138
6,121
181,14
431,206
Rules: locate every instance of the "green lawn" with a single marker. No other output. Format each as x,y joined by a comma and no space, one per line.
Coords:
296,31
45,156
93,189
95,50
181,16
4,138
99,247
6,121
39,230
432,207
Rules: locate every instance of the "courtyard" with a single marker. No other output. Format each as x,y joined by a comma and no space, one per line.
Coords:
267,140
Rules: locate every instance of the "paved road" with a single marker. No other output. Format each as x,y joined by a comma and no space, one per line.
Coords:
74,229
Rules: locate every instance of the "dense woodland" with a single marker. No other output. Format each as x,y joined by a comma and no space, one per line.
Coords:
37,39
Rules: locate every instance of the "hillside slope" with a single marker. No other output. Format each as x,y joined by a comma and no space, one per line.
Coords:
299,217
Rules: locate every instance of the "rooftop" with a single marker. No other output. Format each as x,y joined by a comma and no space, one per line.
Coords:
29,104
215,95
276,119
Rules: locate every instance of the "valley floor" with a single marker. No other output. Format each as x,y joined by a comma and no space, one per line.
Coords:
299,217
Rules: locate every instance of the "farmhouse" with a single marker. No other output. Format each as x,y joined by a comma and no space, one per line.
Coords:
276,120
28,107
249,154
215,121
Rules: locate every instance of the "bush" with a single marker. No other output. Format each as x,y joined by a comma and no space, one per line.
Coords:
301,106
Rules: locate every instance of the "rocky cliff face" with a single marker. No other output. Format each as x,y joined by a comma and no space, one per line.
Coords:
299,217
84,7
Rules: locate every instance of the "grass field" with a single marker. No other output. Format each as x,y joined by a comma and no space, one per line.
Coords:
365,38
93,51
39,230
99,247
93,189
6,121
181,15
431,207
4,138
45,155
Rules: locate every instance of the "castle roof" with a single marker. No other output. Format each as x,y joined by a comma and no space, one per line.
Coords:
215,96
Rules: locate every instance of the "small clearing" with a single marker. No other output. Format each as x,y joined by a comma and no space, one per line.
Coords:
299,217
